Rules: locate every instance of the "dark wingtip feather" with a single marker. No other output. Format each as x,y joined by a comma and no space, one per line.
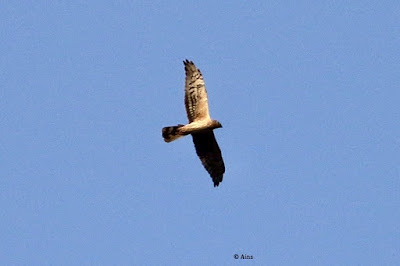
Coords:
217,180
187,62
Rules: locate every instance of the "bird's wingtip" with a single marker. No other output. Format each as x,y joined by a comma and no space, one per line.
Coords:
217,181
187,61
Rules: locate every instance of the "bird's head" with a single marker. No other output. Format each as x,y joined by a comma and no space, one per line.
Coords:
216,124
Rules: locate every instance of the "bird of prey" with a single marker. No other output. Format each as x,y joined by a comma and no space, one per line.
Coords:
200,125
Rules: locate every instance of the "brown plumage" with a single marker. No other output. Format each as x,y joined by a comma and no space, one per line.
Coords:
200,125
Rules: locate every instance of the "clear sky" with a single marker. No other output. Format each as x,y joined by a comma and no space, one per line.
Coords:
308,95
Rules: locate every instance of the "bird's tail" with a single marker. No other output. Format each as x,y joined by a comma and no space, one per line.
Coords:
172,133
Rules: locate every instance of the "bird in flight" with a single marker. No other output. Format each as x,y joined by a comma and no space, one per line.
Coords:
200,125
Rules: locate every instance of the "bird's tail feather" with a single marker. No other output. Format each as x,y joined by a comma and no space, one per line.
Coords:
171,133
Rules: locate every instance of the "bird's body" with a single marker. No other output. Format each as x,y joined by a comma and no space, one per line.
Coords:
200,125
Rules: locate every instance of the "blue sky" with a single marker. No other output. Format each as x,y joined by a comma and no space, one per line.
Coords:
308,96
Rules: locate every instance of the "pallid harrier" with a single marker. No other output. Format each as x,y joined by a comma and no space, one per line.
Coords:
200,124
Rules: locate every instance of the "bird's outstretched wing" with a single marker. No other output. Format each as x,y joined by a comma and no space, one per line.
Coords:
196,101
210,155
